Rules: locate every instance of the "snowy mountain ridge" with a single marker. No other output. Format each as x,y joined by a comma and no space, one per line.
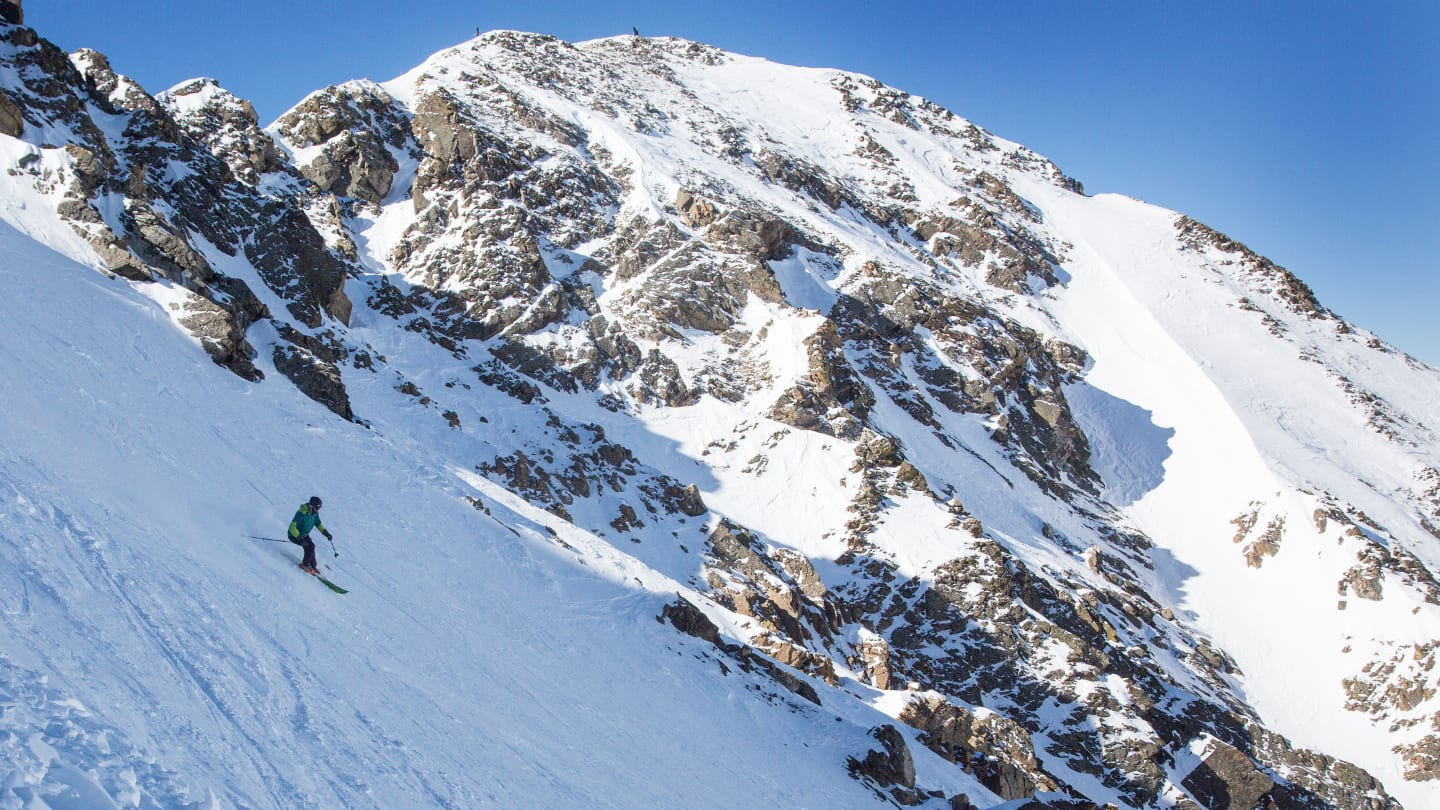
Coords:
1036,494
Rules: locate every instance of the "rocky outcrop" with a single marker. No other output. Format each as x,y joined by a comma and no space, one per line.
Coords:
1226,778
1266,543
874,654
221,330
457,149
227,125
1265,276
317,378
1394,683
996,750
781,590
696,212
971,361
832,398
974,231
689,619
185,199
891,766
12,118
1422,757
757,236
1307,778
686,500
352,133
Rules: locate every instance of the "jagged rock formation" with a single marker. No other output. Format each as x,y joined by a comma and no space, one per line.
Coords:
865,302
165,188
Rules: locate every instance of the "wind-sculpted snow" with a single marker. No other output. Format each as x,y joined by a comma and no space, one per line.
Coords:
1129,449
670,406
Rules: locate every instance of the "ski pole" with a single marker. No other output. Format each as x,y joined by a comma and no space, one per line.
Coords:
258,537
332,545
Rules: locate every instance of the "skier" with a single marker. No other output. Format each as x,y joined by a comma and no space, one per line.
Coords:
307,518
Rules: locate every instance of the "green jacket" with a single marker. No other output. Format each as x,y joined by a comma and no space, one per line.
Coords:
306,520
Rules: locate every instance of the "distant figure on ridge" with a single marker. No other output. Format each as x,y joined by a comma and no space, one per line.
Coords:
636,30
307,519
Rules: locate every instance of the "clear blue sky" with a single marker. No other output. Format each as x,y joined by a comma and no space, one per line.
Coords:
1308,130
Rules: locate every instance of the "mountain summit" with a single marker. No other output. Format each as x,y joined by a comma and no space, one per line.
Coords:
696,431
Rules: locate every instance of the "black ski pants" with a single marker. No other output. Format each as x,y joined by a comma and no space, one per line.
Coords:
306,543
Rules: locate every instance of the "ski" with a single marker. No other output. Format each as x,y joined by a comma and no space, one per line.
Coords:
327,583
332,586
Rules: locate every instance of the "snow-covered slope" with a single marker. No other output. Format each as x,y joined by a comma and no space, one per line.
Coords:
933,458
155,656
1266,428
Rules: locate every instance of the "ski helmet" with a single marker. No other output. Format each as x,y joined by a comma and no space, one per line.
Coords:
315,502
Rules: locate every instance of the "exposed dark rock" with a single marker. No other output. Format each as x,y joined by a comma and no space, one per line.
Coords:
796,657
658,380
1374,561
1422,757
157,244
998,751
221,330
1017,375
875,658
807,178
1267,544
1228,780
360,129
697,212
330,112
187,159
457,149
781,590
316,378
1009,267
527,476
1311,779
687,500
354,165
689,619
892,764
831,398
227,125
521,266
1267,276
791,683
759,236
1394,683
12,118
293,260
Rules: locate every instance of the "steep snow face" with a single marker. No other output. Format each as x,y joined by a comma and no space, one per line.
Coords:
902,426
156,655
1266,437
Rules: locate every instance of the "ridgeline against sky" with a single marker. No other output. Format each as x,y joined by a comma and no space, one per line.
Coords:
1303,130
